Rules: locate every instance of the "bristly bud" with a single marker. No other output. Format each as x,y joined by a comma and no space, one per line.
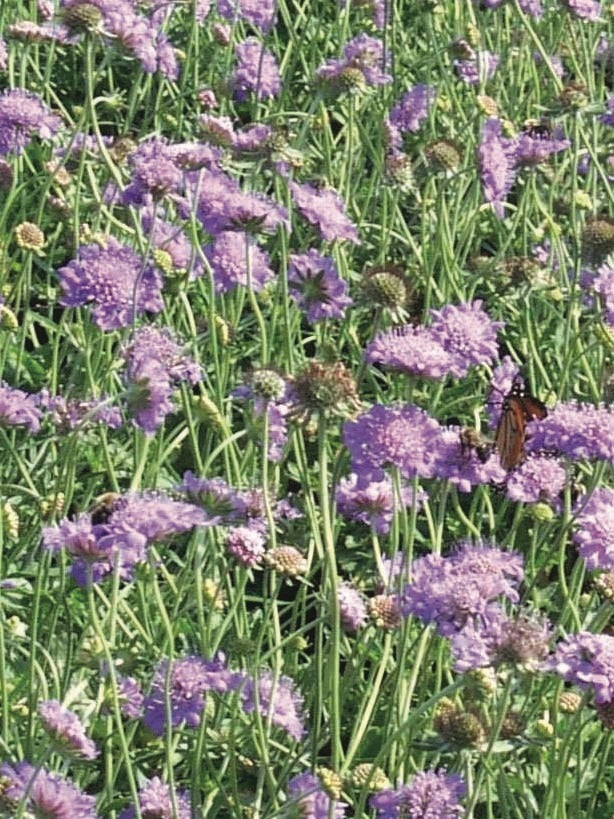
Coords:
266,384
487,105
82,17
371,776
223,329
331,782
569,702
443,154
513,725
286,560
544,728
604,585
605,712
221,33
399,171
474,36
121,148
384,611
598,239
386,287
52,505
163,261
8,319
463,729
480,683
6,175
214,594
10,520
542,512
323,387
59,173
206,410
29,236
574,96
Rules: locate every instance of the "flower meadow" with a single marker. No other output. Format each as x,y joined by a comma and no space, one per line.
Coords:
280,535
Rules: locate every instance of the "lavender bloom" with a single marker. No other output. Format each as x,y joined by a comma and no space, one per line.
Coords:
268,393
352,607
532,7
155,802
190,678
608,117
66,730
578,431
23,114
171,239
80,538
362,54
70,414
415,350
431,795
377,7
478,69
259,13
229,257
374,503
43,793
17,408
461,466
413,108
115,280
496,157
154,173
589,10
277,697
311,800
325,210
130,697
467,331
315,285
588,661
458,590
221,503
392,436
537,479
533,148
256,70
601,284
148,396
246,545
594,529
503,377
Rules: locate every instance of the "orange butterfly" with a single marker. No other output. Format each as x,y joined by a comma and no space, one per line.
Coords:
518,408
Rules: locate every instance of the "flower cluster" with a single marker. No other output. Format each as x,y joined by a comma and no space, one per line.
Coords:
360,66
42,793
66,730
23,114
315,285
587,660
430,794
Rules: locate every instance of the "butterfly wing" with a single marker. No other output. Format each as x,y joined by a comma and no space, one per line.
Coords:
533,408
510,435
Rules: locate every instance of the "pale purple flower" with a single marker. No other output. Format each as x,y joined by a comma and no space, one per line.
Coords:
44,794
66,730
19,408
416,350
373,503
155,173
536,479
477,69
277,698
589,10
23,114
578,431
221,503
324,209
155,802
130,696
231,256
72,413
364,54
533,147
430,795
315,285
256,70
466,330
259,13
600,284
115,280
413,108
352,607
608,117
594,529
148,395
503,378
190,678
587,660
307,793
462,466
171,239
496,158
246,545
400,437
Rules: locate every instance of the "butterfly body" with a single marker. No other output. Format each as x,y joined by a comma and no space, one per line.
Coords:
518,409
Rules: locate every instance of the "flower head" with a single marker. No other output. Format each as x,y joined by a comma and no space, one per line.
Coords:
588,660
538,478
594,529
578,431
325,209
496,157
23,114
258,13
431,795
313,802
352,607
412,109
246,545
373,503
256,71
46,794
276,697
478,68
155,802
316,286
66,730
17,408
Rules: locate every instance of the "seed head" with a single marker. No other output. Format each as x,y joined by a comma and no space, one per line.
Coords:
384,611
387,288
598,239
8,319
267,384
513,725
323,387
370,775
286,560
462,729
29,236
82,17
444,154
399,171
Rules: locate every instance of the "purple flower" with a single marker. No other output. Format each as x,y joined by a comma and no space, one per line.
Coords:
594,529
608,117
578,431
130,696
352,607
324,209
256,70
373,503
115,280
148,396
538,478
431,795
317,288
467,331
259,13
362,54
171,239
23,114
221,503
229,257
312,801
70,414
44,793
477,69
66,730
503,378
17,408
267,391
587,660
413,108
392,436
601,284
533,147
190,678
246,545
496,157
155,173
415,350
585,9
464,467
378,9
155,802
458,590
276,697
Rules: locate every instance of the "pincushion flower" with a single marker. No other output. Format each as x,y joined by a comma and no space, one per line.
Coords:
594,529
23,114
44,794
412,109
430,795
19,408
534,147
114,280
315,285
373,503
478,68
578,431
155,802
496,158
276,697
362,55
155,173
307,793
467,331
246,545
66,730
414,350
587,660
463,466
258,13
352,607
256,71
537,479
230,255
600,283
324,209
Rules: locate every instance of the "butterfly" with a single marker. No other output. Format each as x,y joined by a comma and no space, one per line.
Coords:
518,409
